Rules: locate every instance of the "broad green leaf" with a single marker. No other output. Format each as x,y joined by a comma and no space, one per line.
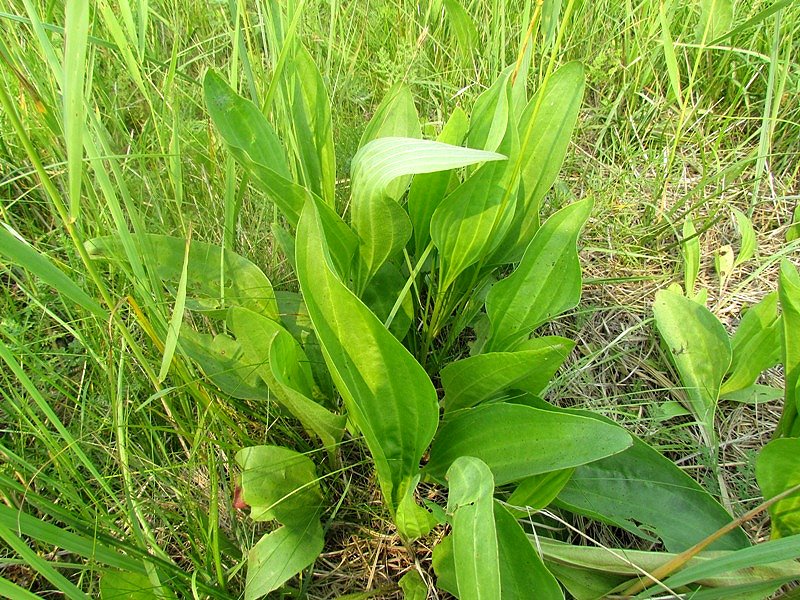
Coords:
716,17
243,126
747,245
383,226
545,284
756,345
388,395
748,591
671,60
281,484
490,116
699,347
396,116
472,380
279,360
522,573
724,262
254,144
475,551
381,295
429,189
537,492
755,394
583,584
174,328
223,361
645,493
777,470
413,586
789,295
123,585
280,555
444,565
215,277
462,25
469,223
311,118
690,245
342,242
518,441
413,520
545,129
19,252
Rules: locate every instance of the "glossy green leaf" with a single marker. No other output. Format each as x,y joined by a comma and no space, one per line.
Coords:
281,484
490,116
279,360
545,128
254,144
462,25
223,361
472,380
215,277
413,586
699,347
522,573
429,189
279,556
413,520
545,284
311,118
747,245
123,585
396,116
444,565
518,441
537,492
382,294
383,226
755,394
716,17
777,470
19,252
388,395
645,493
756,345
475,551
583,584
789,295
469,223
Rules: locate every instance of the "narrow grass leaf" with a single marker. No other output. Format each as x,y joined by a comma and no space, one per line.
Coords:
475,552
668,47
388,395
76,32
698,345
519,441
175,323
545,284
9,589
19,252
44,567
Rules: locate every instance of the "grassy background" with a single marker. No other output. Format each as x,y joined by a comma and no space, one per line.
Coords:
90,439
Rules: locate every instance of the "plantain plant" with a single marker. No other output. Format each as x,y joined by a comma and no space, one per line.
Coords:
438,269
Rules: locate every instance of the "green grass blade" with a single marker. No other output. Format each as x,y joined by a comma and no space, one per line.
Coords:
76,31
174,327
